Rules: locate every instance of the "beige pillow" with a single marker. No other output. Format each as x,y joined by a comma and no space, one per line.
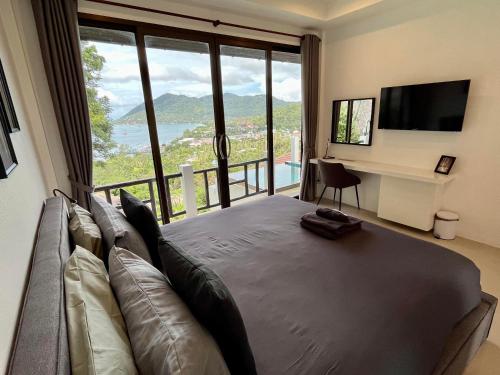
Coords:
97,334
84,230
165,336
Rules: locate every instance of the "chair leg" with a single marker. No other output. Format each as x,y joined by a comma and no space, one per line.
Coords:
340,200
334,195
321,196
357,196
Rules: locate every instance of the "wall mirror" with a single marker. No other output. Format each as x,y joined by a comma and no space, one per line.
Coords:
352,121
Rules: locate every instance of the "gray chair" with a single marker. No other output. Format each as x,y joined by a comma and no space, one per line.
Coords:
334,175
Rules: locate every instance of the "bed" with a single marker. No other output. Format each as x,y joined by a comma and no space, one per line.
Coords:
310,306
373,302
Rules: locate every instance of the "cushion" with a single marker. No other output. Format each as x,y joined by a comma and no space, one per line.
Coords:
84,230
98,340
143,219
165,336
41,344
211,303
116,230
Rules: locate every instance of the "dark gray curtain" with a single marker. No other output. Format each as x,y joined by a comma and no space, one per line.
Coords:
310,81
57,25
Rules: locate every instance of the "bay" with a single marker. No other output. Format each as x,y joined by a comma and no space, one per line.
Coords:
136,136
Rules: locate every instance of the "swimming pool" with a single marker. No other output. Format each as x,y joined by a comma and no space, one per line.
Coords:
284,175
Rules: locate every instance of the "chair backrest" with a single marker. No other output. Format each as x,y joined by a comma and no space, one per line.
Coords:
333,174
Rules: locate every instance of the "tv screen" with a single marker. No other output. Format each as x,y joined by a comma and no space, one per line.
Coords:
431,106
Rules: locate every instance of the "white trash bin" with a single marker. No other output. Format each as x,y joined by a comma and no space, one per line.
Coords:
445,225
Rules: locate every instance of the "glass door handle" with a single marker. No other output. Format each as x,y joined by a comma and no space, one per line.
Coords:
228,146
222,156
213,146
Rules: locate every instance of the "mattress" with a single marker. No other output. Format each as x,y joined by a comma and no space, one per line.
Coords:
372,302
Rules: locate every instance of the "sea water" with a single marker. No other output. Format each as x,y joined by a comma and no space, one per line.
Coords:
136,136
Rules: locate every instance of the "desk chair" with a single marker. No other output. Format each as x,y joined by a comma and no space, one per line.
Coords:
334,175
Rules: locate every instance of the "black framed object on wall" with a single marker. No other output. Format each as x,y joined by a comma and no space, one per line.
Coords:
8,159
8,124
7,107
352,121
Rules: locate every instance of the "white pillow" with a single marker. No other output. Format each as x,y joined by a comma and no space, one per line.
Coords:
98,341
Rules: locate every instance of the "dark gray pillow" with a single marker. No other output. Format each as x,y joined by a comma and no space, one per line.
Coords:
211,303
116,230
143,219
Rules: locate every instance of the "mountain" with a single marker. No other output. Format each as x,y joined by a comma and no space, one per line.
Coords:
172,109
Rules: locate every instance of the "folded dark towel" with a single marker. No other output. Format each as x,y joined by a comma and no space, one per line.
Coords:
328,228
330,214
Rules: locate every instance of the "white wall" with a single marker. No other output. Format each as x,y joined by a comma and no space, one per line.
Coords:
427,43
22,193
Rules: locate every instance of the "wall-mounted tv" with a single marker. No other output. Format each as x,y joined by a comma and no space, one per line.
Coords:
432,106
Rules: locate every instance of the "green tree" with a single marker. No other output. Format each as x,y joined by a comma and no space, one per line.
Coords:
99,106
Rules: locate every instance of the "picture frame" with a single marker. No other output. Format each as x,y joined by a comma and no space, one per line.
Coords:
8,160
6,105
445,164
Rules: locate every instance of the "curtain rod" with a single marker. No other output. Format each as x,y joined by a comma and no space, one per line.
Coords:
215,23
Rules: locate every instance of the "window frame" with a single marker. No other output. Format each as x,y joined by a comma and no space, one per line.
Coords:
214,40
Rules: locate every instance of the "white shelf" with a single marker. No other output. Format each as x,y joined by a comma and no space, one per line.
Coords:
391,170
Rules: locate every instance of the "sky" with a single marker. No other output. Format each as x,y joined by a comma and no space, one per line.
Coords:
185,73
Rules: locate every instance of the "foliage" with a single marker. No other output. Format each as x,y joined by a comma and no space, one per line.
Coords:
342,124
99,107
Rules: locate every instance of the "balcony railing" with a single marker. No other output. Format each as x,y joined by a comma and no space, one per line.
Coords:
249,190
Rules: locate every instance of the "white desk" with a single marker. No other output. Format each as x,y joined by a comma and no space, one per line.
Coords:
410,196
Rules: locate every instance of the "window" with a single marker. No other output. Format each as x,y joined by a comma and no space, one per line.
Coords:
182,118
121,145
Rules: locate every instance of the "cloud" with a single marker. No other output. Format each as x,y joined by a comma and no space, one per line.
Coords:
111,96
288,89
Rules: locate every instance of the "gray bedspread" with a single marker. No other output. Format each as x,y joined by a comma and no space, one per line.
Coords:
372,302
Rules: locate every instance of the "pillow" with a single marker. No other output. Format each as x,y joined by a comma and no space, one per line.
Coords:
84,230
143,219
211,303
165,337
116,230
97,335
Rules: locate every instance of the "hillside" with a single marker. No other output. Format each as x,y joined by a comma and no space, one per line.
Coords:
170,108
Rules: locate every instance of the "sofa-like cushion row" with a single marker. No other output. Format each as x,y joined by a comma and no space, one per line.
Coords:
164,335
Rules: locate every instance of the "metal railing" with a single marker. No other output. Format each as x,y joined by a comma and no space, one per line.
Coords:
248,189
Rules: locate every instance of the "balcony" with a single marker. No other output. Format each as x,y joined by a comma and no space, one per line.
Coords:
247,180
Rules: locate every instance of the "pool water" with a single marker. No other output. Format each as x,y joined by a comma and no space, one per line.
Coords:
284,175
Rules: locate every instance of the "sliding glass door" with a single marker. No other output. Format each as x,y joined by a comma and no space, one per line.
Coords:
182,87
243,72
186,120
287,120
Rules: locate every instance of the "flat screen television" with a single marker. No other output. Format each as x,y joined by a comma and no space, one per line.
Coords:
432,106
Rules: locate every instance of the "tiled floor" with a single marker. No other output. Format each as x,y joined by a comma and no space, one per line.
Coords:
487,258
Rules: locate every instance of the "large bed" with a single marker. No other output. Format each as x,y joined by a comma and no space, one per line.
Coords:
372,302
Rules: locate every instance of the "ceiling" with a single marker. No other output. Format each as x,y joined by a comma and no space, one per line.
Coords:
312,14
